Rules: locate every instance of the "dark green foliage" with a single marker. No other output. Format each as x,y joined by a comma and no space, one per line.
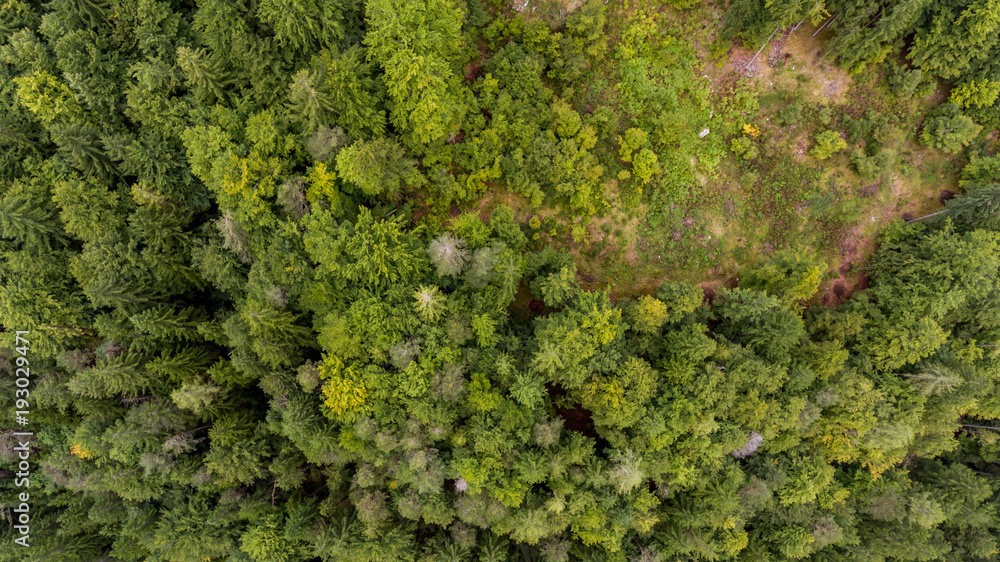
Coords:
338,88
979,208
259,330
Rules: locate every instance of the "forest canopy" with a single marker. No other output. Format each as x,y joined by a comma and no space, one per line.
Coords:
310,280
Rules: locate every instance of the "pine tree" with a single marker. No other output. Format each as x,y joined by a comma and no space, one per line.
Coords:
169,323
195,396
181,364
415,43
948,129
558,288
276,334
113,377
205,75
303,24
953,42
28,223
626,472
934,380
978,208
860,46
429,303
338,89
190,530
81,145
89,210
649,314
265,540
238,449
234,237
379,167
788,274
370,253
82,12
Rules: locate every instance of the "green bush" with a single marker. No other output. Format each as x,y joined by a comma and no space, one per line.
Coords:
911,83
870,167
827,144
825,115
789,115
948,129
743,147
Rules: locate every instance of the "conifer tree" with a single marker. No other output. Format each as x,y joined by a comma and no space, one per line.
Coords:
955,39
205,76
415,44
27,223
302,24
378,167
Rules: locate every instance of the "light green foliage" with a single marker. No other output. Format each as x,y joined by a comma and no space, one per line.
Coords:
88,209
429,303
626,473
266,541
378,167
743,147
48,98
619,401
415,43
791,275
649,314
634,148
948,129
645,165
980,93
485,329
373,253
827,144
631,143
195,397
